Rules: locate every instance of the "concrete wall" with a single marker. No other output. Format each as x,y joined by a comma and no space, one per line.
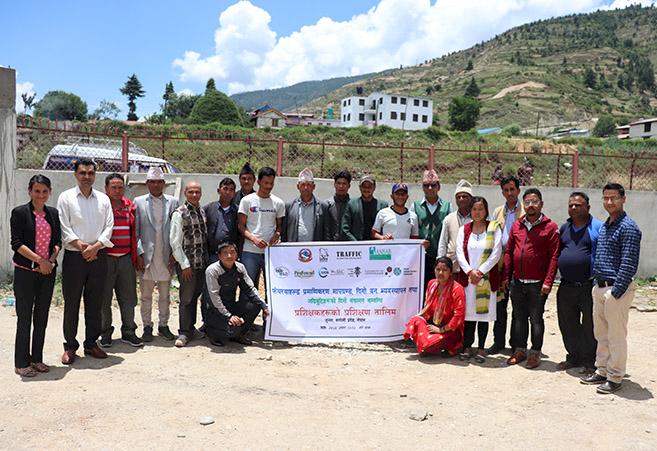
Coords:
7,162
640,205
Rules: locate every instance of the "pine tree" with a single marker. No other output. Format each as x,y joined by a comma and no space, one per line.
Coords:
132,90
169,95
472,90
589,78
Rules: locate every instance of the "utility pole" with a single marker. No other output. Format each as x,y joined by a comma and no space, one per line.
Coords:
538,119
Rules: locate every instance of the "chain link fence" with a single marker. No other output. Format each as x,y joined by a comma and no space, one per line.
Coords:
635,170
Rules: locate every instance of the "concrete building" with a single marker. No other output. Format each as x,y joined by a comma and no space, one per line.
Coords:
644,129
268,117
394,110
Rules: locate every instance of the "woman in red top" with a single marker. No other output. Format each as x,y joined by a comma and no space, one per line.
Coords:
36,241
439,326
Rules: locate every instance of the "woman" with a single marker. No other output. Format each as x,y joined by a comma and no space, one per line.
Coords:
36,241
439,326
478,249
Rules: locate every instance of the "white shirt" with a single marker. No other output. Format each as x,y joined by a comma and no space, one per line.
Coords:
89,219
261,214
176,240
398,225
444,239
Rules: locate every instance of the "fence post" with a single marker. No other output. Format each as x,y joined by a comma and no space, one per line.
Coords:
162,145
575,169
632,173
124,152
321,166
279,157
479,165
432,157
558,167
401,163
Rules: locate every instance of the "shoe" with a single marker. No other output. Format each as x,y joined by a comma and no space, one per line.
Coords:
40,367
592,379
132,340
465,355
480,356
217,342
105,341
533,361
95,352
198,334
69,357
587,370
181,341
147,336
565,365
28,371
516,358
608,387
165,332
244,340
495,349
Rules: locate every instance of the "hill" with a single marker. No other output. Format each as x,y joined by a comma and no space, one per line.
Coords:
292,97
537,73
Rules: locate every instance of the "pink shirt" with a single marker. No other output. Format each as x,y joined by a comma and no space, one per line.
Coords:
43,232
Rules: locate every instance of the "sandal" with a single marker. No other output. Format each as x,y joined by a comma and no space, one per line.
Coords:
465,355
40,367
480,356
28,371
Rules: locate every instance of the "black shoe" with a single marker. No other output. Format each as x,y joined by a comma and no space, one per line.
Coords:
148,334
217,342
608,387
105,341
495,349
242,339
592,379
198,334
587,370
132,340
165,332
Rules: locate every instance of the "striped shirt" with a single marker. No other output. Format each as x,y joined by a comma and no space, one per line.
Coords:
617,253
120,232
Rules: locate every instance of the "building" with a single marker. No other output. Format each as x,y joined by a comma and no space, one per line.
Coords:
394,110
623,131
644,128
267,116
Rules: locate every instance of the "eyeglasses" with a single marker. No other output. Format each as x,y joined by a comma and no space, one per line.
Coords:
429,185
531,202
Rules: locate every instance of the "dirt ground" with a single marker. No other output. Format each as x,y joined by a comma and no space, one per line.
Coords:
305,396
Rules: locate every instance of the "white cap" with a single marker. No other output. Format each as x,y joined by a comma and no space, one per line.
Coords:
463,186
155,173
306,176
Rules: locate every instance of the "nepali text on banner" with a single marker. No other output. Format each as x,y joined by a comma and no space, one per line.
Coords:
343,291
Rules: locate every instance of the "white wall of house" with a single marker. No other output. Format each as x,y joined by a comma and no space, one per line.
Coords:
644,130
393,110
270,119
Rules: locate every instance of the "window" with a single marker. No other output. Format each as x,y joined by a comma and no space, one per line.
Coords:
309,123
344,118
274,122
348,117
416,102
425,103
425,118
646,127
393,99
381,101
361,117
415,118
349,102
402,116
344,103
361,102
402,100
393,115
381,115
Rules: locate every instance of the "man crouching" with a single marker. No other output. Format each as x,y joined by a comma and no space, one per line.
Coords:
226,317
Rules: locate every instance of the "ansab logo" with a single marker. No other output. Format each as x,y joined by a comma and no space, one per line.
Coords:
380,254
305,255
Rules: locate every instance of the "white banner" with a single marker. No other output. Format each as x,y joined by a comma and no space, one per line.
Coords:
343,291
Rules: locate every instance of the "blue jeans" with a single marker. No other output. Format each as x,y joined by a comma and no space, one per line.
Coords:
254,264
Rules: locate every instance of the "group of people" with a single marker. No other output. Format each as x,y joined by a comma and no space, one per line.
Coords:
475,262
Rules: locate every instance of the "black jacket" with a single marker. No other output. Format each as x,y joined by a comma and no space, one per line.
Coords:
23,231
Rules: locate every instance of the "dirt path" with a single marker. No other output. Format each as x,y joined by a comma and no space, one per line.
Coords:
510,89
321,397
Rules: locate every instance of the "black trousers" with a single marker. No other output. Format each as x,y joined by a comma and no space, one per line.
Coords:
469,333
83,280
217,326
500,325
33,292
575,313
190,291
528,304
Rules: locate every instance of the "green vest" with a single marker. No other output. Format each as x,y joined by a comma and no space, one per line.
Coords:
430,225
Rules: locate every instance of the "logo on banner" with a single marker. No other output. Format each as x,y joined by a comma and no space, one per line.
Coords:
390,271
349,255
354,272
323,254
409,271
380,254
305,255
304,274
323,272
281,272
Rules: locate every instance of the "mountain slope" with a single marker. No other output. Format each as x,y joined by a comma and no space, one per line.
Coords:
535,73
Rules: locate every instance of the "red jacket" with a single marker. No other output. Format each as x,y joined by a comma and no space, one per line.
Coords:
532,254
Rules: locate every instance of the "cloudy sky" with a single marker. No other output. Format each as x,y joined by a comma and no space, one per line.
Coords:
91,47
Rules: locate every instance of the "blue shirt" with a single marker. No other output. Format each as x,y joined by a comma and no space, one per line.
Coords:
578,246
617,255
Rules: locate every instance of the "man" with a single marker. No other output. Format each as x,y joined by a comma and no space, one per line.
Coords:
579,237
226,318
530,264
121,261
431,212
453,221
86,221
189,246
247,179
337,204
306,218
360,213
260,222
397,221
616,262
505,215
154,262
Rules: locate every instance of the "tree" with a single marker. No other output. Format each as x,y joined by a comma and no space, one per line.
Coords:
215,106
605,126
470,66
210,86
28,101
589,78
472,90
61,106
169,95
463,113
132,90
181,106
106,110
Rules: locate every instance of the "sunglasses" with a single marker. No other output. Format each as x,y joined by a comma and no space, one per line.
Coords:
429,185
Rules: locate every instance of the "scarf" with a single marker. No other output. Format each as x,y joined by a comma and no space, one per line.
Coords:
439,301
482,290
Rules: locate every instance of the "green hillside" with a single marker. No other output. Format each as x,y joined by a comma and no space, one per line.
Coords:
536,72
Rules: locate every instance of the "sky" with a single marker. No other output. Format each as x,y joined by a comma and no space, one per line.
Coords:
91,47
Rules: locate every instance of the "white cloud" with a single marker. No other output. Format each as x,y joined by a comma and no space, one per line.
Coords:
186,92
249,55
23,88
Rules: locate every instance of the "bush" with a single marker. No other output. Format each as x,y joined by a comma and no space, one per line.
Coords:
463,113
435,134
511,130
